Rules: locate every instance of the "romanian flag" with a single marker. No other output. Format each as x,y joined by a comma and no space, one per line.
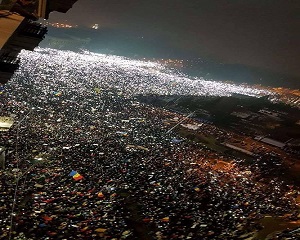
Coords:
76,176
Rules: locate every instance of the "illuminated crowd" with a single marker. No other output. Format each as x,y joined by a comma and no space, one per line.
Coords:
137,180
130,76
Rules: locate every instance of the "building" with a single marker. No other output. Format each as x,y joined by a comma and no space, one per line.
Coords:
8,57
35,9
270,141
19,29
16,33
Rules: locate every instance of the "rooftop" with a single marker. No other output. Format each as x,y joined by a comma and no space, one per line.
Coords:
9,23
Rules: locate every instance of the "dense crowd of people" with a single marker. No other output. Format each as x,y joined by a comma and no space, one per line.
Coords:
139,180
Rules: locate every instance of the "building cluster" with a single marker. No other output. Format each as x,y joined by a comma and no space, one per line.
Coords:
288,96
58,24
19,29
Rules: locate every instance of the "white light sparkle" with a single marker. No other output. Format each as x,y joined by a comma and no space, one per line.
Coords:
132,77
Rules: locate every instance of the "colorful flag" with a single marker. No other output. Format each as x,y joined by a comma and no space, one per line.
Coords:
165,219
100,195
76,176
72,173
146,220
47,218
57,94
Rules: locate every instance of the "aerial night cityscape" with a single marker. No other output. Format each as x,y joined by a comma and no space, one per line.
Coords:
147,120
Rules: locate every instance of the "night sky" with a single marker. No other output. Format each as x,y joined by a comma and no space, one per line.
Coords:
259,33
